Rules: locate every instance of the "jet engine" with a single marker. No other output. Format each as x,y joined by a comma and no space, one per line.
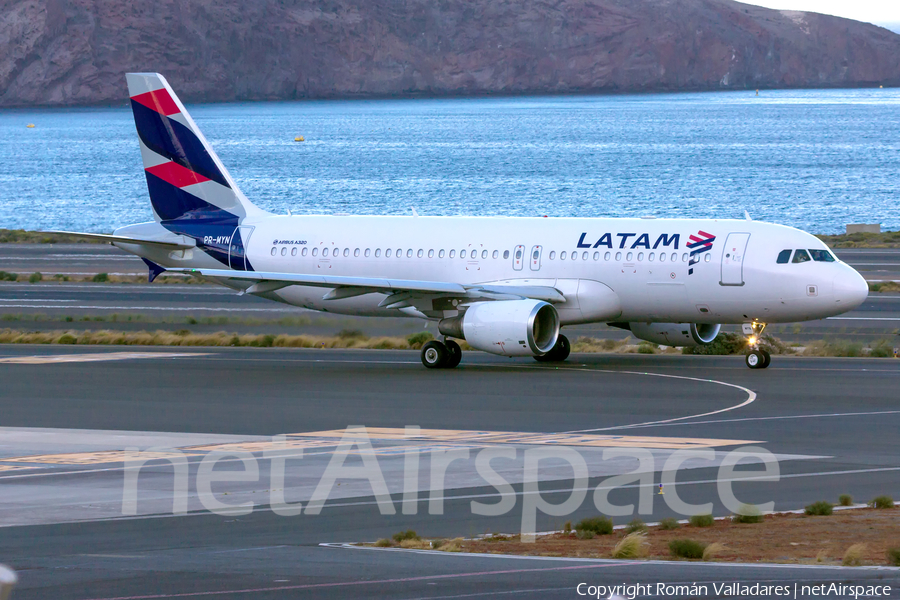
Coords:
506,327
676,334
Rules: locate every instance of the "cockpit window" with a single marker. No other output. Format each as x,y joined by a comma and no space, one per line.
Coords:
821,255
801,256
784,257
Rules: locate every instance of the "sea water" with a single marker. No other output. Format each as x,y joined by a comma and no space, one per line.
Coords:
813,159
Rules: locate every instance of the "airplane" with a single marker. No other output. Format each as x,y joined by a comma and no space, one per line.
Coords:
504,285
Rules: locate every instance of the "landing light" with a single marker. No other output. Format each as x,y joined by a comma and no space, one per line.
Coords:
751,340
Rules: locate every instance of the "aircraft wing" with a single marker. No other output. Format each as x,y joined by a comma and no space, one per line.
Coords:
346,287
172,245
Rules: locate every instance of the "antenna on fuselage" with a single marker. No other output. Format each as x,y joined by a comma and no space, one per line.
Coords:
414,212
747,216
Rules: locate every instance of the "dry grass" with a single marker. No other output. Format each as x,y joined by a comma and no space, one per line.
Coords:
854,555
633,545
713,550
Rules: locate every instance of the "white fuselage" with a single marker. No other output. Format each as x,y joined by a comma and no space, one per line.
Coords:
647,263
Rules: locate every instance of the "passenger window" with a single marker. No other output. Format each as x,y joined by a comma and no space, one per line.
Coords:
431,254
274,250
519,254
562,256
684,257
420,253
409,253
368,252
584,255
378,252
674,257
387,253
441,254
801,256
618,256
356,252
606,256
324,252
505,254
596,256
640,256
452,253
652,256
495,254
484,254
315,251
294,251
629,256
662,257
284,250
822,256
784,257
305,251
708,257
552,254
347,252
462,253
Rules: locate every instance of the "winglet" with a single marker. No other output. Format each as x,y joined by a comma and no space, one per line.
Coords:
155,269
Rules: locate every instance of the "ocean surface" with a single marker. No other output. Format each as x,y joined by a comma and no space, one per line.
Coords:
813,159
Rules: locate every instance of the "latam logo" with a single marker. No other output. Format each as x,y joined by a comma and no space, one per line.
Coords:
624,241
700,243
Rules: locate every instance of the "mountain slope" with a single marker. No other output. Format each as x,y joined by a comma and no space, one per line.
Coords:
65,52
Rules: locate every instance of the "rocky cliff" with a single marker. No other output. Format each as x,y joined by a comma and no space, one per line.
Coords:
67,52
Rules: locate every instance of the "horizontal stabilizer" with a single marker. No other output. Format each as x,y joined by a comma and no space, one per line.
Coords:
183,243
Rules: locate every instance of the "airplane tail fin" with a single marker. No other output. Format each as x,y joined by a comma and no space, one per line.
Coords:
186,180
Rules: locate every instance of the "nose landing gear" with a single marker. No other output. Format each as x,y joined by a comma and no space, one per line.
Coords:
756,357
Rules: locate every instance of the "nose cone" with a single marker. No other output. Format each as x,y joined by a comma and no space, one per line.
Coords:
850,289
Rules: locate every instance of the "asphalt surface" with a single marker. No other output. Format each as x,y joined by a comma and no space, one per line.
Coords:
832,422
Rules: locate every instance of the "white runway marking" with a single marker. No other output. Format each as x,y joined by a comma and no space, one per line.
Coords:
863,319
163,308
784,417
77,358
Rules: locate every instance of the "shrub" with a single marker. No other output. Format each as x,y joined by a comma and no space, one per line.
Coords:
820,508
701,520
882,502
893,557
435,544
454,545
417,340
584,534
597,525
845,500
669,523
747,514
352,334
647,348
384,543
633,545
686,549
635,525
725,343
409,534
712,550
66,338
853,555
567,528
6,276
882,349
35,277
100,278
416,544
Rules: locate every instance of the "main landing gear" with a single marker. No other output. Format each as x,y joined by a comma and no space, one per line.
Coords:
441,355
756,357
558,353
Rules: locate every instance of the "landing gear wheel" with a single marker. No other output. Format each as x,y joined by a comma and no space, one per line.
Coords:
454,354
558,353
767,357
755,359
434,355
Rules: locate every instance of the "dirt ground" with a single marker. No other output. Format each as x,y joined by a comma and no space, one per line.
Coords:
780,538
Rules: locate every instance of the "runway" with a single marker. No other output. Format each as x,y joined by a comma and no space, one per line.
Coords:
67,412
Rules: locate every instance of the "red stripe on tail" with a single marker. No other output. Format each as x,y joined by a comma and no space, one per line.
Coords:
158,100
176,174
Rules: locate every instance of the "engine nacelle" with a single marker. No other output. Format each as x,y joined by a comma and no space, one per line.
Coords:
676,334
506,327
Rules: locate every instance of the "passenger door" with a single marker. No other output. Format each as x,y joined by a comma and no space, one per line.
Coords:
733,255
237,249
